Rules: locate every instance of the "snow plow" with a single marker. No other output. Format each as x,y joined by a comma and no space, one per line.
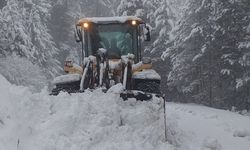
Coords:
111,54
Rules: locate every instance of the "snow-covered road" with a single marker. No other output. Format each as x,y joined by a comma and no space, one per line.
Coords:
203,128
98,121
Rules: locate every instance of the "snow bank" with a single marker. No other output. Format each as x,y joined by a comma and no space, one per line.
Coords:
90,120
98,121
203,128
103,121
242,133
11,114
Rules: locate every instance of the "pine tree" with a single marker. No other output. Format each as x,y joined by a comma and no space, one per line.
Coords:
161,27
25,33
131,8
2,3
42,40
205,53
242,80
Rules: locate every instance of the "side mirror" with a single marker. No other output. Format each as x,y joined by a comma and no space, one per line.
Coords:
147,34
78,34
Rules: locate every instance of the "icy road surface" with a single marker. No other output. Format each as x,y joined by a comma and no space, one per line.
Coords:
98,121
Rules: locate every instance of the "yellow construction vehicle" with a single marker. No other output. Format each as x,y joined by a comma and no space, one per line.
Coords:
111,54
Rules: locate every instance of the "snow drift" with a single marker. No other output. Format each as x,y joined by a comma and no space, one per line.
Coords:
98,121
91,120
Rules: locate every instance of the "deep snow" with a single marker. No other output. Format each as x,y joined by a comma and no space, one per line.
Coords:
202,128
98,121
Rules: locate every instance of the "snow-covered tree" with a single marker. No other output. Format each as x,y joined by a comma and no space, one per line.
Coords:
162,26
205,52
2,3
21,71
131,8
24,33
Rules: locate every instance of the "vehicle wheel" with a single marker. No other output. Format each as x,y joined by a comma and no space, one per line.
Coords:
89,79
148,86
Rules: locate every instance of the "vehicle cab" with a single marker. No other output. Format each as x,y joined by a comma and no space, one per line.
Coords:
118,35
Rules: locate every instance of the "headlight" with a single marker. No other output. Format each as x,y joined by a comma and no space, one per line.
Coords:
134,22
85,25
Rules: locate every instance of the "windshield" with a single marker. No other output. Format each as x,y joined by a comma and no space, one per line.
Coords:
118,39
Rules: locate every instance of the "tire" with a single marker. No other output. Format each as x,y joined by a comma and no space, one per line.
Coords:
89,79
106,79
149,86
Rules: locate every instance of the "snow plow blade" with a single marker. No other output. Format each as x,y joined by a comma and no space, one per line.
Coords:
138,95
69,86
55,92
